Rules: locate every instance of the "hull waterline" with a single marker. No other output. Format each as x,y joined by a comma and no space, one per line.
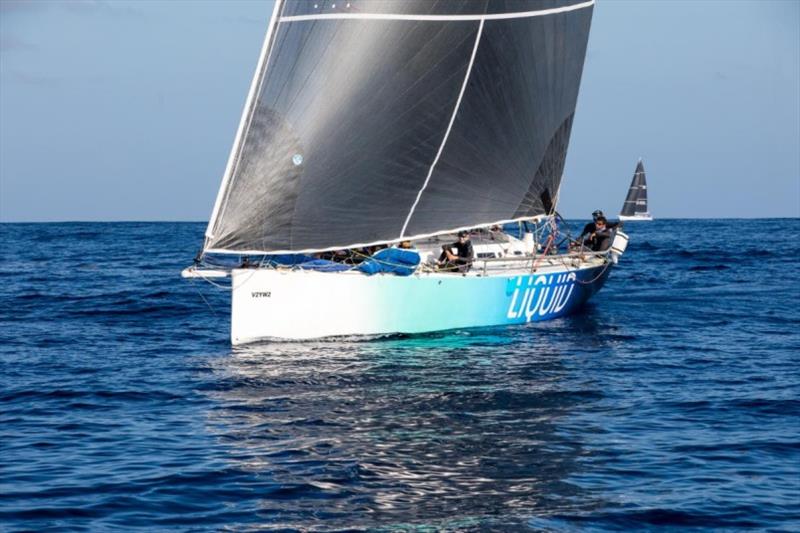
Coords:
290,304
633,218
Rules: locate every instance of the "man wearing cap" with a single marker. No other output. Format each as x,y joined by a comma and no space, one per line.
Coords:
462,259
591,227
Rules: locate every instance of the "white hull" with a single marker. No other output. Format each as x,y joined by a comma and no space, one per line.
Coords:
635,217
296,304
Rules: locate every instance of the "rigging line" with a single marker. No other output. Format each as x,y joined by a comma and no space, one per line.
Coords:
204,298
440,18
215,284
449,127
443,83
603,271
231,287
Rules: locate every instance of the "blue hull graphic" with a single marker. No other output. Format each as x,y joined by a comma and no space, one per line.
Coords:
297,305
548,296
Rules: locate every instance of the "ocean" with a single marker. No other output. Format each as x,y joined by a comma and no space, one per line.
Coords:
671,401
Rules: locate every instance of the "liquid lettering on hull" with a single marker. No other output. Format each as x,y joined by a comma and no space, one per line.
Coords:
541,295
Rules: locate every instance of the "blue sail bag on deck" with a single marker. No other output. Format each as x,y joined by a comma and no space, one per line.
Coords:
391,261
323,265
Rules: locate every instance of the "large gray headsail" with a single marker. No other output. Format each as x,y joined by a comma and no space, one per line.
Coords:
370,121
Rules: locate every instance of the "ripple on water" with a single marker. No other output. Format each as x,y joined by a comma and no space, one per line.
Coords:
670,401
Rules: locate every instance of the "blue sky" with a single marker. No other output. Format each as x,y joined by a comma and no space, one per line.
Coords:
127,110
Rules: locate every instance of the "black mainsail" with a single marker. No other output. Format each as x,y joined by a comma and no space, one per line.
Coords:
635,205
375,120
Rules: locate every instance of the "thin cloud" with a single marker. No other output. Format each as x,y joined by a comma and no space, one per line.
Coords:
10,43
9,7
241,19
32,79
101,7
20,6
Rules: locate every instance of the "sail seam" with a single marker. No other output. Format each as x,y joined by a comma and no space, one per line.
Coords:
447,131
244,121
440,18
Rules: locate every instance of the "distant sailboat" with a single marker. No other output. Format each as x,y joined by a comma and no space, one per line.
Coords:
635,206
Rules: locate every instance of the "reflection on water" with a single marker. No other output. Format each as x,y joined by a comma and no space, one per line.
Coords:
670,401
447,426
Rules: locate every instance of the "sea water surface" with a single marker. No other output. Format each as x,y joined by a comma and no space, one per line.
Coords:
672,400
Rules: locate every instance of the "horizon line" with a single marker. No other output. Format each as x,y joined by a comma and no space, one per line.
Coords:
202,221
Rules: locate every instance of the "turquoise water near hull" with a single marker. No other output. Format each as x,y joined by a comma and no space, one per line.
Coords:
669,401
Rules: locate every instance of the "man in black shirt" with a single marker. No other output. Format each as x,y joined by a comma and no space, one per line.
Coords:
591,227
600,239
462,259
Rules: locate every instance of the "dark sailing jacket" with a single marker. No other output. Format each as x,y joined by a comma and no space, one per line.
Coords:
590,228
601,239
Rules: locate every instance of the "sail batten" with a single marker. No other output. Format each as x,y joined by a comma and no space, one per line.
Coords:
400,119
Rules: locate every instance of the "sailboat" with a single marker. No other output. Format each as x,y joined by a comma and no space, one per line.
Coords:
373,134
635,206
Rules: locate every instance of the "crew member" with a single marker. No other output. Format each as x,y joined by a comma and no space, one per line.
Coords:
600,239
591,227
462,259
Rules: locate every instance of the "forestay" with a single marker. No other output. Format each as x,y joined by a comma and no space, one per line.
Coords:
375,120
